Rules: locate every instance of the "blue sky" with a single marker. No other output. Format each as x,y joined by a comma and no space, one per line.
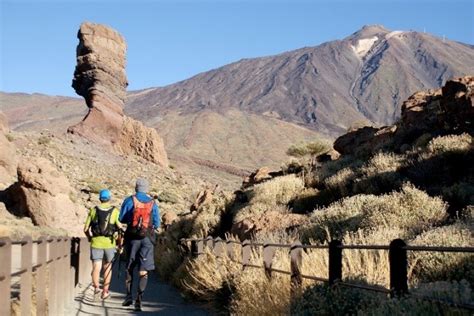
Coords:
169,41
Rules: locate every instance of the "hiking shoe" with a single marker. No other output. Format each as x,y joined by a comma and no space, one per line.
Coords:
138,306
105,295
128,301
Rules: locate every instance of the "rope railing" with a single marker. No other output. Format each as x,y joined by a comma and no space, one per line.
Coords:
397,251
60,264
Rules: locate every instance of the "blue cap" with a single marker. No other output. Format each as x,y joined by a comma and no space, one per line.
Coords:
104,195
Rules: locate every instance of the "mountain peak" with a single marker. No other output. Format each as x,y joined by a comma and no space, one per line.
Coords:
369,31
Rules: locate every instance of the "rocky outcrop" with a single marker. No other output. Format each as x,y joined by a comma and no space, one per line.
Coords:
260,175
364,140
43,194
266,223
449,110
142,141
203,198
168,218
8,156
101,79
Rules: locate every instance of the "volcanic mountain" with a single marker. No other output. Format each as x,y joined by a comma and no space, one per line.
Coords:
363,77
247,113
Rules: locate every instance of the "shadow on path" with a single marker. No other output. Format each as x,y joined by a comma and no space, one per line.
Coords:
159,299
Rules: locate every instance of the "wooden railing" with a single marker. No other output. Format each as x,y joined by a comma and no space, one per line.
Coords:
60,264
397,253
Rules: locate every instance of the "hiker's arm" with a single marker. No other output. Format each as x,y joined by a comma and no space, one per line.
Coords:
156,216
125,211
87,225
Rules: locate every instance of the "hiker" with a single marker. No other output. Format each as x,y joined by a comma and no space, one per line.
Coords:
141,214
101,228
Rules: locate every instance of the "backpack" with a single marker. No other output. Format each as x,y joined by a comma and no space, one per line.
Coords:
142,224
100,224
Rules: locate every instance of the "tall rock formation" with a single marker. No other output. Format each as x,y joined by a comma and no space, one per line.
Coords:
101,79
8,156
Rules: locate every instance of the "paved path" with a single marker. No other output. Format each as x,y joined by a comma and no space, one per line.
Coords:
159,299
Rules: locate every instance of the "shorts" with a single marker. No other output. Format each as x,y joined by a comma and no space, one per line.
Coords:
140,252
98,254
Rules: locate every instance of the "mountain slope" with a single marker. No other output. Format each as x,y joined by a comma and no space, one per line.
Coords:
328,87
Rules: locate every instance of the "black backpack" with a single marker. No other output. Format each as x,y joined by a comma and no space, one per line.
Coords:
100,224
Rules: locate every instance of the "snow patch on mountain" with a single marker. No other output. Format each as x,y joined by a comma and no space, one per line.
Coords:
363,46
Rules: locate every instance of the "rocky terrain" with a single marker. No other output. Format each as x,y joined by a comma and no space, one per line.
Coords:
101,79
412,180
49,179
219,118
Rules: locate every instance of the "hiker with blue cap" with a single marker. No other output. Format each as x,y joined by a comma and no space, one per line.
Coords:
141,215
101,228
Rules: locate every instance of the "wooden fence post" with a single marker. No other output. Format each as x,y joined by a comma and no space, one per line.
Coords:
246,252
62,279
230,249
52,276
41,276
26,277
200,247
219,248
5,275
397,256
268,254
335,261
209,243
84,252
194,248
296,255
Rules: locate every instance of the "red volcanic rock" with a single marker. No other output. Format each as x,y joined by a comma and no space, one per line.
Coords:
101,79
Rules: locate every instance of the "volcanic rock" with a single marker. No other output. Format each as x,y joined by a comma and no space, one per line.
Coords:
268,222
434,112
101,79
364,140
8,156
43,194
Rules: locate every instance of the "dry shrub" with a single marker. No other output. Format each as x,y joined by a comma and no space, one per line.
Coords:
208,217
380,174
168,258
454,292
254,210
304,201
450,143
332,167
410,210
323,299
383,162
372,266
278,191
206,276
461,193
255,294
434,266
341,181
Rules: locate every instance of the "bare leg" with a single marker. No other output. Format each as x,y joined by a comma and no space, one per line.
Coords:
107,275
96,267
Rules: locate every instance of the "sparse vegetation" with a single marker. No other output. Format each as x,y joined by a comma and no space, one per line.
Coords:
385,197
44,140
